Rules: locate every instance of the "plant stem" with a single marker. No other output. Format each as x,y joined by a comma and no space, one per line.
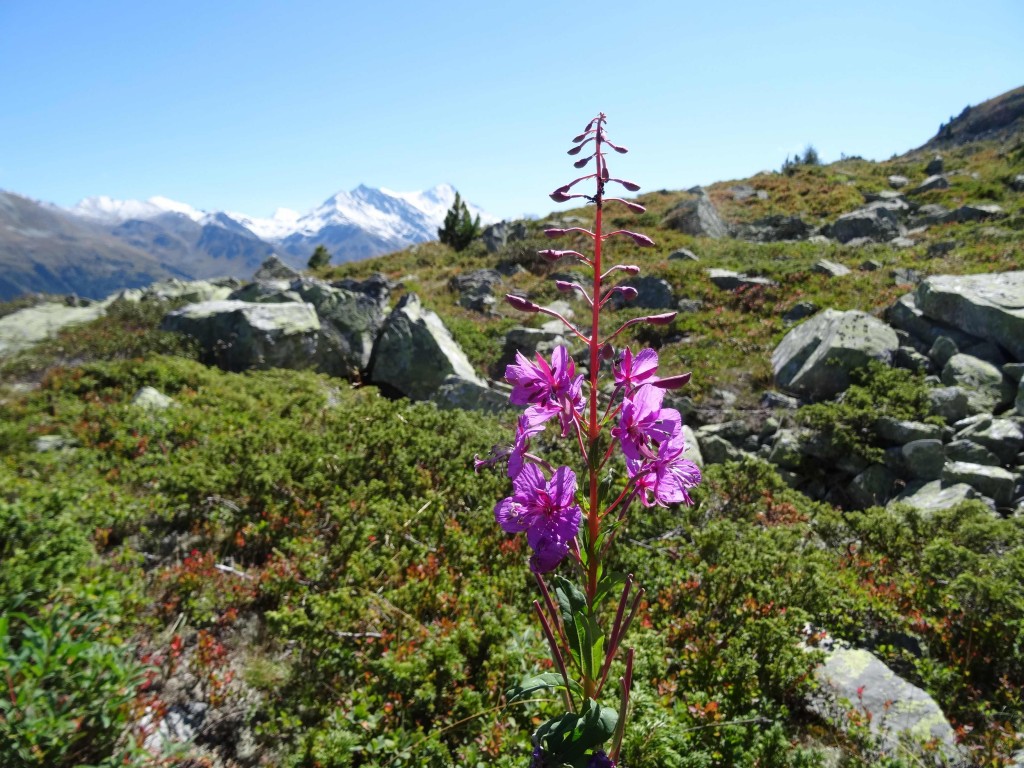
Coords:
593,424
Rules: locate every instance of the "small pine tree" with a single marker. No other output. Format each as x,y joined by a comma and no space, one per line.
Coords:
459,227
810,156
321,258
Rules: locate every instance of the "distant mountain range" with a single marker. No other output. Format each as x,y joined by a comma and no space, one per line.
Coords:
102,245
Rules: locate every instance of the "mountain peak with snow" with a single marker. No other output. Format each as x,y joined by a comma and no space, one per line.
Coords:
365,221
110,211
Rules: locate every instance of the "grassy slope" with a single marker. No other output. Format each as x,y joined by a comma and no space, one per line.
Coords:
381,613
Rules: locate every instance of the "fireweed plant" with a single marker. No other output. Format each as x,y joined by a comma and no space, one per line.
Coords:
566,519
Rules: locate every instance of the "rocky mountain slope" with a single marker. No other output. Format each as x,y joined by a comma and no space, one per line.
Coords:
311,570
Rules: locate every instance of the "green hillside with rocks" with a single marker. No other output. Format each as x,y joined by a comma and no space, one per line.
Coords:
229,548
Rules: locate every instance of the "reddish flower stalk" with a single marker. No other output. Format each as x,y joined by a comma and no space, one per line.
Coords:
559,525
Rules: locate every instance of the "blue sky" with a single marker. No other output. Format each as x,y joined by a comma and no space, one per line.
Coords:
248,106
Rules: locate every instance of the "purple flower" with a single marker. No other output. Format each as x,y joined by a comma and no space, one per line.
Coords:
600,760
631,372
554,389
545,510
644,421
667,477
530,423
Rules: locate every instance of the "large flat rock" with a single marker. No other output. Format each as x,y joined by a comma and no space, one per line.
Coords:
28,326
899,714
815,359
989,306
239,335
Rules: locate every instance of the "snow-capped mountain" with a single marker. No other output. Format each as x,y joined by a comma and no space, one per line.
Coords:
107,210
357,224
102,244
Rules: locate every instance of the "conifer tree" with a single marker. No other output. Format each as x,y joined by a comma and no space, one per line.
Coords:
321,258
459,227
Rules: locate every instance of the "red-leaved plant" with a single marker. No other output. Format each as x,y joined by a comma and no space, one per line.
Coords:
565,522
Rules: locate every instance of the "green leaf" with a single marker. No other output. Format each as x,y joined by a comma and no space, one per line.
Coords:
544,681
571,736
591,643
572,603
609,585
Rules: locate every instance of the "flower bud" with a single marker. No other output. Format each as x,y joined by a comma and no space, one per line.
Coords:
672,382
607,351
581,163
663,319
629,185
565,286
637,237
554,232
518,302
628,291
629,269
550,254
559,196
575,150
581,137
634,207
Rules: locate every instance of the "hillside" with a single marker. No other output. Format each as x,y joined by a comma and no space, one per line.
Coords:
44,250
998,119
287,568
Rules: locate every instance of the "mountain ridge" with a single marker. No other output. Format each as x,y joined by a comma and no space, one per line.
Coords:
158,238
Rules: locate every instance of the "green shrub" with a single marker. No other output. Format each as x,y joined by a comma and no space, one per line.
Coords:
877,390
68,691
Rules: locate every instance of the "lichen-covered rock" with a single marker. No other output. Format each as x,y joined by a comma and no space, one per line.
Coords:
877,222
900,431
651,293
238,335
816,357
989,306
1003,437
697,217
274,269
415,353
728,280
950,403
349,323
994,482
970,452
28,326
935,181
152,399
476,288
900,715
986,388
466,395
923,459
934,495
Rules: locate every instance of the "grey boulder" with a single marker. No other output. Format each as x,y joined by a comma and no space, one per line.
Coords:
815,359
877,221
415,353
238,335
989,306
697,217
986,387
903,717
